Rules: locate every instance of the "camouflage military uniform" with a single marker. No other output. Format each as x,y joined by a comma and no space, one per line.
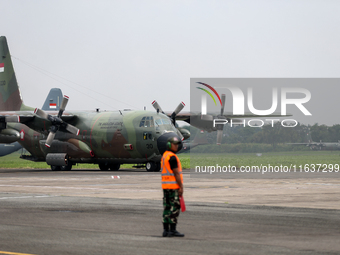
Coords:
171,206
172,185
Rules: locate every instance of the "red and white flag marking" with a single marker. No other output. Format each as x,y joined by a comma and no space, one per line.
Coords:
53,106
2,67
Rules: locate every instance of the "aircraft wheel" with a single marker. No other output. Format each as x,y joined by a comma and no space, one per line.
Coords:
114,167
153,166
55,168
66,168
103,166
158,167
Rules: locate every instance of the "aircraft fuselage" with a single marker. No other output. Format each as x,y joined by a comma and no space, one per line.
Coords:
113,137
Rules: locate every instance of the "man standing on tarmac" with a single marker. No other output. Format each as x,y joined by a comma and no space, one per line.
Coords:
172,184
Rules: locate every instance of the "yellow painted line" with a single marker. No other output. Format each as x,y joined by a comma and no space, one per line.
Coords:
14,253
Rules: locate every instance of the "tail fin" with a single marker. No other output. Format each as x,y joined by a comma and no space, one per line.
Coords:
53,100
10,97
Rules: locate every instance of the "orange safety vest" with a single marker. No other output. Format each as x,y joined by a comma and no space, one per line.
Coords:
168,176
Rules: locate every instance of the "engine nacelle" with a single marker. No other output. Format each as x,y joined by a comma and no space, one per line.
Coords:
185,133
9,135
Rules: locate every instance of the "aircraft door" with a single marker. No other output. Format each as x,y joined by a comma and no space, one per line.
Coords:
145,137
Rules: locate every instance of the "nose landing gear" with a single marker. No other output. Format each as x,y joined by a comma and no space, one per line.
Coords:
153,166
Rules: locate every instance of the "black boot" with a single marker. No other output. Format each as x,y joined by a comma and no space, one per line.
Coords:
166,229
174,232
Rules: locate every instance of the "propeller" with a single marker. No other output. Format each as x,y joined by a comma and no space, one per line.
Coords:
56,122
173,115
157,106
177,110
219,127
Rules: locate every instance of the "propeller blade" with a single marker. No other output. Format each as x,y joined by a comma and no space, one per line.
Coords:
179,108
219,136
13,118
49,139
157,106
72,129
56,122
223,104
41,113
63,105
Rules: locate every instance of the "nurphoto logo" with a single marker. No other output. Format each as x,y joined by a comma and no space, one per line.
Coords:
238,106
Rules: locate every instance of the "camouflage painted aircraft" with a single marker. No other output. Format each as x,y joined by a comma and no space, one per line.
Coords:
52,103
108,138
63,139
318,145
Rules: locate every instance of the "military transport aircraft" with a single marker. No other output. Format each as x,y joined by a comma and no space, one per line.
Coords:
63,139
318,145
108,138
52,103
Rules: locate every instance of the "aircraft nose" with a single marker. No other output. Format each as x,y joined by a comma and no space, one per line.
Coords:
163,139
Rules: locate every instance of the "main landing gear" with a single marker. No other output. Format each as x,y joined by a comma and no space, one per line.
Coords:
106,167
68,167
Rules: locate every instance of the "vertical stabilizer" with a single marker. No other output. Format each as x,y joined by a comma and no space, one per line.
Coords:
10,98
53,100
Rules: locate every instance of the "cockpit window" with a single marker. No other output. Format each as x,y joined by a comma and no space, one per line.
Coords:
160,121
147,121
166,121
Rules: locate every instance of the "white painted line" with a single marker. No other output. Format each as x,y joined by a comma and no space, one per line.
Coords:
81,188
25,197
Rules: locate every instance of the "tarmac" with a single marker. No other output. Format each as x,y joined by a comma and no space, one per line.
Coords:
105,212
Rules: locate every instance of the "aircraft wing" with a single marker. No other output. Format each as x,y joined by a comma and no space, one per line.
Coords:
210,121
301,143
185,116
33,121
308,144
312,145
205,121
25,117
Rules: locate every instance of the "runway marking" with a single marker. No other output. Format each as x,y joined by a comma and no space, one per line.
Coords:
24,197
326,184
14,253
81,188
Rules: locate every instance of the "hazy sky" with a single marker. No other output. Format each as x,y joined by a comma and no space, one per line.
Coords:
125,54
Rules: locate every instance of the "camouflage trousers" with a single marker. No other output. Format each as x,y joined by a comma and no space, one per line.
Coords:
171,205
